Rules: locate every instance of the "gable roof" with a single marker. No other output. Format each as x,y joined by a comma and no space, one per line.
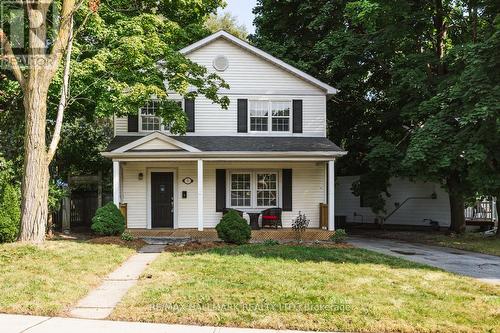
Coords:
264,55
170,143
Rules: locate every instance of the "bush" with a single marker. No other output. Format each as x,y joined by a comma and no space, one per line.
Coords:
10,214
232,228
300,224
339,236
127,236
108,221
270,242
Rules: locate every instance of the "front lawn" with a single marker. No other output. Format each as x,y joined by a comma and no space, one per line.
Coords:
308,288
47,279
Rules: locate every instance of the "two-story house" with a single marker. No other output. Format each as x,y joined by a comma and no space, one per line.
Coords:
268,149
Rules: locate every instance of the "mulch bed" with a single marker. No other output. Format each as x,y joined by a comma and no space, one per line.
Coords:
194,246
116,240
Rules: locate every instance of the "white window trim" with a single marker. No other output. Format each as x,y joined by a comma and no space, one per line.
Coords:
270,115
162,127
253,189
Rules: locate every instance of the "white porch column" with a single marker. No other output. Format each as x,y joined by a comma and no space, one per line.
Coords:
116,183
331,195
200,195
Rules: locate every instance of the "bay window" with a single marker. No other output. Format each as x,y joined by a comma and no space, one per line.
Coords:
253,189
269,116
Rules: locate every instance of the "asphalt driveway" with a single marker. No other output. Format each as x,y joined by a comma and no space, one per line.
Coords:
480,266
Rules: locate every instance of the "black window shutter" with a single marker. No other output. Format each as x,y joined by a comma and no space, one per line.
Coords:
189,108
297,116
133,123
286,189
220,190
242,115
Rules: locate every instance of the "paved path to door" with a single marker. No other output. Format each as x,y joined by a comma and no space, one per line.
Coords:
35,324
480,266
100,302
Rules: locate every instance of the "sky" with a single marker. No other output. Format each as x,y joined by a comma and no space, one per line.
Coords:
242,9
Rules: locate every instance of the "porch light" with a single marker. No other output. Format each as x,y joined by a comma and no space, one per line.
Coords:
141,176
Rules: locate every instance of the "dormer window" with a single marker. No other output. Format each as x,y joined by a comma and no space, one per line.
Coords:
269,116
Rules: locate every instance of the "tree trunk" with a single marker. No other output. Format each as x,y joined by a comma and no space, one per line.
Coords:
498,215
439,20
35,187
457,204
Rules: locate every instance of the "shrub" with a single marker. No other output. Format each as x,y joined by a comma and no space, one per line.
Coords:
300,224
108,221
232,228
339,236
270,242
10,214
127,236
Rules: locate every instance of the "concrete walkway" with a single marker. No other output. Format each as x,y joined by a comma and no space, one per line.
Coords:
34,324
480,266
100,302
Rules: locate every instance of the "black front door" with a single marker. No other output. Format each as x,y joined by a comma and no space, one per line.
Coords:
162,200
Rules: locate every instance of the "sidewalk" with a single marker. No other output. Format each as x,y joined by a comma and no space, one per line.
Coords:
100,302
35,324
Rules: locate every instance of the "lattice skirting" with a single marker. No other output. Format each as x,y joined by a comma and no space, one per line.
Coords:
211,234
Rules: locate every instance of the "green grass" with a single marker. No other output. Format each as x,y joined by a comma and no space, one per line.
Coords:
309,288
47,279
470,241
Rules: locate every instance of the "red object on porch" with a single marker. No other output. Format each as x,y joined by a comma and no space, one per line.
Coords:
272,217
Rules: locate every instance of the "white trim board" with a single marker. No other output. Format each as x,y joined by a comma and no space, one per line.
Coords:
264,55
156,136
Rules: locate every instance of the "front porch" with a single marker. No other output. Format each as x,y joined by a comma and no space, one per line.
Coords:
194,194
311,234
188,182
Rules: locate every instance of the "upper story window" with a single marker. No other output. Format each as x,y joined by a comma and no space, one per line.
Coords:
149,122
269,116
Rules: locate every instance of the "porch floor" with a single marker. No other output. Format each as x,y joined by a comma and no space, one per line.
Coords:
211,234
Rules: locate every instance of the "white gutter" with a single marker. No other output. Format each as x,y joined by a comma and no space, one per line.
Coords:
224,154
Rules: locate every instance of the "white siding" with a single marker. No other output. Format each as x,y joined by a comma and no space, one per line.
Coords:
249,73
121,125
412,212
249,77
308,185
156,144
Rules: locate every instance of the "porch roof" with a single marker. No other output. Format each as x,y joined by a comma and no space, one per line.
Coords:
241,143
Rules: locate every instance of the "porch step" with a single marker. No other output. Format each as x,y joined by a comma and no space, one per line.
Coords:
166,240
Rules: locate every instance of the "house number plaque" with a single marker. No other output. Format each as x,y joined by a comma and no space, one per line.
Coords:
187,180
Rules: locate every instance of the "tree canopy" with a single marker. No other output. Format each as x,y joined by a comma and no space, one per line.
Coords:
124,53
228,23
418,87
